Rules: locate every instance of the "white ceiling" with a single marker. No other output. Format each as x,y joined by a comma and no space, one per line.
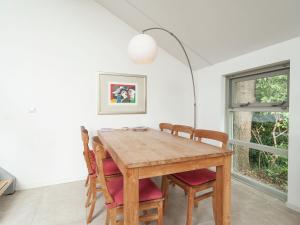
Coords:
212,30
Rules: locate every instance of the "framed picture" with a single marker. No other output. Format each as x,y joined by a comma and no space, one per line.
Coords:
122,93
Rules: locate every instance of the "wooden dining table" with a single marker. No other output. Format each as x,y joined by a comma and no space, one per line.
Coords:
152,153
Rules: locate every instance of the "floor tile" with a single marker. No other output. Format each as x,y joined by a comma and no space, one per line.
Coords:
63,204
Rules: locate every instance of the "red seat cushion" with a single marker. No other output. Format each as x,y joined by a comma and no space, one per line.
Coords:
110,167
196,177
147,191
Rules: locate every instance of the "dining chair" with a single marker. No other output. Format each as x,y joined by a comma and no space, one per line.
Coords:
111,170
178,130
150,195
166,127
91,181
195,181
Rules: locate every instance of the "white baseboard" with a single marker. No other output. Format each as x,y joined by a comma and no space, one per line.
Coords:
49,183
293,207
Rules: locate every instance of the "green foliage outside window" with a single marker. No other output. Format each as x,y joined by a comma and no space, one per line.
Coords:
271,129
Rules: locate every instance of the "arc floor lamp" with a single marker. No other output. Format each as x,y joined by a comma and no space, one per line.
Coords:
142,49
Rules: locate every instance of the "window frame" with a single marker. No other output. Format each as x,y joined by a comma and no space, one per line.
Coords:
272,72
251,74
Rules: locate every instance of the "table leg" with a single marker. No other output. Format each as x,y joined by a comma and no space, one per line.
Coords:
131,197
223,193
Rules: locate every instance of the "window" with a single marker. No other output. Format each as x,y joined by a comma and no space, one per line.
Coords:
258,120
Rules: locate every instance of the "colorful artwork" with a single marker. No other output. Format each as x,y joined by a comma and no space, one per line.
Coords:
120,93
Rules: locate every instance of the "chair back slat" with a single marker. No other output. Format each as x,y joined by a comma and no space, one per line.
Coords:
100,156
211,135
177,129
86,149
166,126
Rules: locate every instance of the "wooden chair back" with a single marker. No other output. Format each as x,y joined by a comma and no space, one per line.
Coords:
177,129
211,135
166,126
100,155
86,149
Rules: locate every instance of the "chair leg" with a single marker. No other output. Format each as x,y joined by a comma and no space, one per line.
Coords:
107,219
94,198
87,203
165,193
88,190
86,181
91,212
165,189
87,185
113,216
160,211
214,205
195,202
189,217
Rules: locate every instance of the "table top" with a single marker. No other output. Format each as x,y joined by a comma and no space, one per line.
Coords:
152,147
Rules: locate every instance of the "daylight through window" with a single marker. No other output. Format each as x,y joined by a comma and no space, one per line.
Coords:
258,122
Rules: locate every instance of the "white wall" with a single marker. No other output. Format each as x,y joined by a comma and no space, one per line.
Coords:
50,52
211,99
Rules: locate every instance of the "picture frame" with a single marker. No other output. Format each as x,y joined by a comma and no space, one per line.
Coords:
120,93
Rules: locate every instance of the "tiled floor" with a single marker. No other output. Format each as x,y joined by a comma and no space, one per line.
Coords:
64,205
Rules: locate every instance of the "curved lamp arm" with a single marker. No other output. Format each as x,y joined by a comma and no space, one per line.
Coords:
188,60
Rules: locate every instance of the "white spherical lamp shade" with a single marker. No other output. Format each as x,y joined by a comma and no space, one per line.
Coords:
142,49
